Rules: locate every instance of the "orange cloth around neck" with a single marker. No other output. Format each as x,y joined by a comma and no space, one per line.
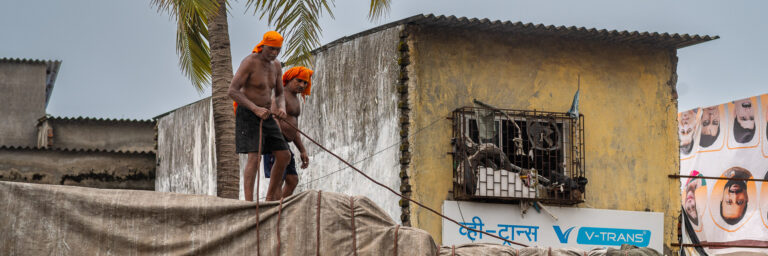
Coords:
302,73
271,38
234,106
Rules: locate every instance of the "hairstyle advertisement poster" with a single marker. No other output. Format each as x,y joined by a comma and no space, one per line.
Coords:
728,141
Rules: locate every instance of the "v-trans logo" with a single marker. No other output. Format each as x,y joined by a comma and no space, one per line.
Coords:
605,236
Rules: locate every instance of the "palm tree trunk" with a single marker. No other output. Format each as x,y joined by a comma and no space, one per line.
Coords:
227,164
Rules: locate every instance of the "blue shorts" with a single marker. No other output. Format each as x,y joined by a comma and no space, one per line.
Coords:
269,160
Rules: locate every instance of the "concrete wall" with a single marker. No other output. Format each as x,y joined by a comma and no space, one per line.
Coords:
111,135
353,112
185,150
22,102
87,169
631,144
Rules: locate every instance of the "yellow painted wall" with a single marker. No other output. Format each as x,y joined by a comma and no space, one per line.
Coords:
630,133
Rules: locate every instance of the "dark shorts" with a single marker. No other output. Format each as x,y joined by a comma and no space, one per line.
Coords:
247,133
269,160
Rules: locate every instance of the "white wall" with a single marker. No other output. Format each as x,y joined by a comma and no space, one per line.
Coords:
353,112
185,150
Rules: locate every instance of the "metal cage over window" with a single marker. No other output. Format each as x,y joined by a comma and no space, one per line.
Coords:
514,155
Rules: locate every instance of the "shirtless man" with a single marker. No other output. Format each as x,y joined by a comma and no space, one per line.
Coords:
296,80
251,89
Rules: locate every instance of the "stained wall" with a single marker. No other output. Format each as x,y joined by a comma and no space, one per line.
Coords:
627,97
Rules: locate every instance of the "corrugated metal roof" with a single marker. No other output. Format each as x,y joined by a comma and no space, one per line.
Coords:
173,110
660,39
80,118
76,150
20,60
665,40
51,72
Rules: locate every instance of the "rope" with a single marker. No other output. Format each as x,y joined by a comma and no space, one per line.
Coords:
354,230
279,212
319,196
438,251
374,154
453,250
398,194
370,156
258,156
397,228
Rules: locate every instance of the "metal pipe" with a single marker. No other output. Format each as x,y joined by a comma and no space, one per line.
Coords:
723,245
675,176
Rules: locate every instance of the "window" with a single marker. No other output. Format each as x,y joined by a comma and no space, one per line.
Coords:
518,155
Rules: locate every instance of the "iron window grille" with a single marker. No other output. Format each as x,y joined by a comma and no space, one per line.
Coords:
518,155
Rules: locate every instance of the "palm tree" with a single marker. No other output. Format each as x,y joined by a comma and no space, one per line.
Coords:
202,44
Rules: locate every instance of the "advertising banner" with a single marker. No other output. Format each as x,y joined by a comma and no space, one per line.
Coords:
726,141
583,228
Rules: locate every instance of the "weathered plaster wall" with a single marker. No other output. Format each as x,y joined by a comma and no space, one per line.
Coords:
118,135
629,108
22,102
353,111
185,150
78,168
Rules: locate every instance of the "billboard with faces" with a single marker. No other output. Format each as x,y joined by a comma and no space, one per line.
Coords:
730,141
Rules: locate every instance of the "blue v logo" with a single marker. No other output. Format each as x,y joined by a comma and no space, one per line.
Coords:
562,236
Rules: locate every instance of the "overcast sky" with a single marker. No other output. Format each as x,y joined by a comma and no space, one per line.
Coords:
119,58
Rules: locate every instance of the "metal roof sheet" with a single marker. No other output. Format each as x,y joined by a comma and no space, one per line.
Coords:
664,40
76,150
24,60
51,72
81,118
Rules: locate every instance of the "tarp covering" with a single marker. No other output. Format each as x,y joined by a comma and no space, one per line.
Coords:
62,220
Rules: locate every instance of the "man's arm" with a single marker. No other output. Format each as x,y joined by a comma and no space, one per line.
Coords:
241,76
279,97
302,150
273,108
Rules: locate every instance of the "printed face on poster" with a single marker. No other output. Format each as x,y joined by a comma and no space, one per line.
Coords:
729,141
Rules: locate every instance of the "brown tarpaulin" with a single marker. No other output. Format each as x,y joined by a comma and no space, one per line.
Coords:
62,220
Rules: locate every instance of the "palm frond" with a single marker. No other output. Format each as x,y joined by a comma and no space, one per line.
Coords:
379,9
298,21
191,36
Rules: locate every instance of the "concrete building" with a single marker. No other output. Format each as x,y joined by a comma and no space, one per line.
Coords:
394,101
93,152
397,102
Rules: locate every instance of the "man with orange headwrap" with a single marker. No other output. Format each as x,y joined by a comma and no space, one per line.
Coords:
256,88
296,80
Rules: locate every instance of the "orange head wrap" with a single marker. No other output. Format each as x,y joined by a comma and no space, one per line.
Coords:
300,73
271,38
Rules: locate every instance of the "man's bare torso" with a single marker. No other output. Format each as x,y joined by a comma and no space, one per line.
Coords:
262,78
293,109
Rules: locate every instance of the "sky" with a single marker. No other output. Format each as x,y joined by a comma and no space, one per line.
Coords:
119,58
